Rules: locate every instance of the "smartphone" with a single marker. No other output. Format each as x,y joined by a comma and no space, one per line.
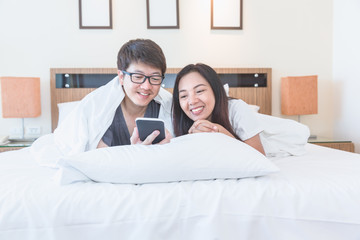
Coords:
146,126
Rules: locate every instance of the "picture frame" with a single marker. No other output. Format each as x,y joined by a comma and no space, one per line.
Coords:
162,14
95,14
226,14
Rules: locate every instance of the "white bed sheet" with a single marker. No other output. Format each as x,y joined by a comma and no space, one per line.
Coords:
314,196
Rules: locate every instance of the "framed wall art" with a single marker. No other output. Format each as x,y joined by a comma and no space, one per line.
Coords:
162,14
95,14
226,14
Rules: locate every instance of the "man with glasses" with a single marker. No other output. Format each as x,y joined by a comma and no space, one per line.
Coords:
141,68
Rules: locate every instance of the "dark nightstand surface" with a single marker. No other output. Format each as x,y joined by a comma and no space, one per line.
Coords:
10,146
345,145
16,144
327,140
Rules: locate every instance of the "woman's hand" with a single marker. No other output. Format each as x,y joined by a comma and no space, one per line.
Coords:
203,126
135,139
207,126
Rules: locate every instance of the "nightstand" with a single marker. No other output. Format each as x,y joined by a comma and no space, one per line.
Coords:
331,143
14,146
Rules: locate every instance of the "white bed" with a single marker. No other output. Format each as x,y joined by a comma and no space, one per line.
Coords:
315,195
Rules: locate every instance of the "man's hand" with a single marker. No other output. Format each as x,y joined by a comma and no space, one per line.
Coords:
135,139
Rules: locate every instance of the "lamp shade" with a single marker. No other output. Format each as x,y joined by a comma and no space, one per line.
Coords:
299,95
20,97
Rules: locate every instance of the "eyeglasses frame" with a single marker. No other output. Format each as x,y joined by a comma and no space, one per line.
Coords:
145,77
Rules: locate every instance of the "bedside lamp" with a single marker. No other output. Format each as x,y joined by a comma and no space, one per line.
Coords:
299,96
20,99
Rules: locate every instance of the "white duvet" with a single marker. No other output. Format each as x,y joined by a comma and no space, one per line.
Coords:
314,196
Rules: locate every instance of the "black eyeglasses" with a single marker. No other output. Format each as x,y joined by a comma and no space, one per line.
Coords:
141,78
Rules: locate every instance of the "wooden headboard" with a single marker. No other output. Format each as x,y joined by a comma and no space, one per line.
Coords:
256,95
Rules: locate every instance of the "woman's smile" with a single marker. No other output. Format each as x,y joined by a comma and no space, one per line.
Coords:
197,110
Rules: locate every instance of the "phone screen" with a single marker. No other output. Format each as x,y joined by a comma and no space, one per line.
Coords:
148,125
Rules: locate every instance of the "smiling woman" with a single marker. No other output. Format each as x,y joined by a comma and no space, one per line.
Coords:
196,97
200,104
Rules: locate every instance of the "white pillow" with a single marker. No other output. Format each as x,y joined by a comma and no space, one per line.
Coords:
255,108
282,137
200,156
65,108
226,88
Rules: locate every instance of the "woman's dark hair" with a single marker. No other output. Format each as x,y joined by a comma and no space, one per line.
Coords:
220,114
141,50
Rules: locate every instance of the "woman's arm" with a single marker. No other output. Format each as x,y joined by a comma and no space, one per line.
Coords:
255,142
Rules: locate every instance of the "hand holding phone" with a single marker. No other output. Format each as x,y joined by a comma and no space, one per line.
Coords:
146,126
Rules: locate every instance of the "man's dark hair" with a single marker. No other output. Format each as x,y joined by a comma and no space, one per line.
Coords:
141,50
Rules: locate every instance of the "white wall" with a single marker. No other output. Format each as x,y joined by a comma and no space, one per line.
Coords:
291,37
346,70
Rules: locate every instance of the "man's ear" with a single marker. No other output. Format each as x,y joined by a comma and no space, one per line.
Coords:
121,77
